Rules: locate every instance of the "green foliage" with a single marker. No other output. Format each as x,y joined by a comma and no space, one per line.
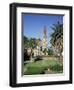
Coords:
26,42
58,33
57,37
30,43
50,51
56,67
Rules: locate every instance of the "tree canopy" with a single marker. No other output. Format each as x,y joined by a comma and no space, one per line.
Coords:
30,42
57,37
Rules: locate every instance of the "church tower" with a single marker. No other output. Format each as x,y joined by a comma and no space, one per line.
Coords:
45,41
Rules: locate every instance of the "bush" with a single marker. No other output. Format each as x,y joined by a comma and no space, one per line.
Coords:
50,52
56,67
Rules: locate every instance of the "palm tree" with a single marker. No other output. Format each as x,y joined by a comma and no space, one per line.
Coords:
57,38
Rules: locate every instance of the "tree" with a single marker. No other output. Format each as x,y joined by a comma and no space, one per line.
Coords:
26,42
57,38
32,43
50,51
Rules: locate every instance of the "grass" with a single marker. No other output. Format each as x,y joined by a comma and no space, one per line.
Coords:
39,67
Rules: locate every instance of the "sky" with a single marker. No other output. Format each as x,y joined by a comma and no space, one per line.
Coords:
33,24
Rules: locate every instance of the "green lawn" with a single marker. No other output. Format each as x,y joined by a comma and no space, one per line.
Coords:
39,67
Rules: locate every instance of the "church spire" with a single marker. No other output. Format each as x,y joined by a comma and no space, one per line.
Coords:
45,32
45,41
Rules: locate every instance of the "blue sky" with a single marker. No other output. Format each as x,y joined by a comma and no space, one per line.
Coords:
33,24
